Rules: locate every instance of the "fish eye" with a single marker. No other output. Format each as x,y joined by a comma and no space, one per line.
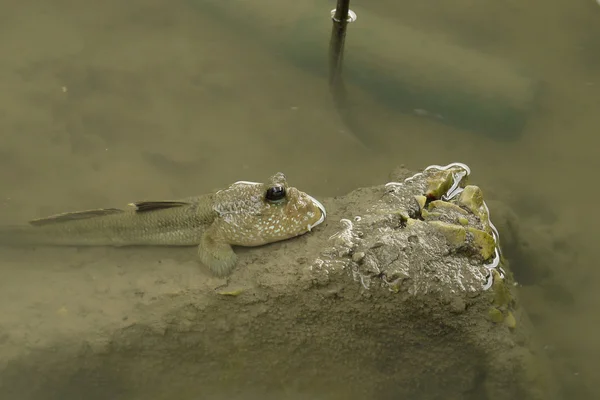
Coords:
275,193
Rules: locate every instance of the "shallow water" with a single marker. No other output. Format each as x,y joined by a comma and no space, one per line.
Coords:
108,102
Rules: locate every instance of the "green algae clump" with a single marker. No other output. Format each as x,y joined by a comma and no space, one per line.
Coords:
495,315
483,241
502,302
456,235
446,207
439,184
472,199
421,200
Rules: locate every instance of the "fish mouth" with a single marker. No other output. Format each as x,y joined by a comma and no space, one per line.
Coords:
320,207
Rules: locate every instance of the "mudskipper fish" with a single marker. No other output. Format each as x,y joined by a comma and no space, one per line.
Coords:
243,214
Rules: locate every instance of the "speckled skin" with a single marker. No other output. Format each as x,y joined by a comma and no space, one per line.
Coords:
238,215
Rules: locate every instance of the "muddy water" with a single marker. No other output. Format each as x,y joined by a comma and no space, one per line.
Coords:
109,102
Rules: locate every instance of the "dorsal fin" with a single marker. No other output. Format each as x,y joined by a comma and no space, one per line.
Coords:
73,216
145,206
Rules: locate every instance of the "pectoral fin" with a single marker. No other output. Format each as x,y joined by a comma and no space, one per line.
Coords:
144,206
218,256
73,216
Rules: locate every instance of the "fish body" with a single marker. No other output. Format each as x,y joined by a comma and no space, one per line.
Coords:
243,214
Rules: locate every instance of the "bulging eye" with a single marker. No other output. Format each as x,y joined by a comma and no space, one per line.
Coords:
275,193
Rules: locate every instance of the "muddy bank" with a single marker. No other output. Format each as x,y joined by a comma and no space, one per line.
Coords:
402,301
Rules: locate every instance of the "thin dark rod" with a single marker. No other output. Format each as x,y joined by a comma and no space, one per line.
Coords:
341,10
345,109
336,44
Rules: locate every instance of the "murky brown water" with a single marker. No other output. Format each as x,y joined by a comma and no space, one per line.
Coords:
108,102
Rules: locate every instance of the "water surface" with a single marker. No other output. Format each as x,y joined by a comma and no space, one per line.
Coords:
109,102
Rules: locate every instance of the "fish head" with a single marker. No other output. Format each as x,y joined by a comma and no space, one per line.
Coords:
254,214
